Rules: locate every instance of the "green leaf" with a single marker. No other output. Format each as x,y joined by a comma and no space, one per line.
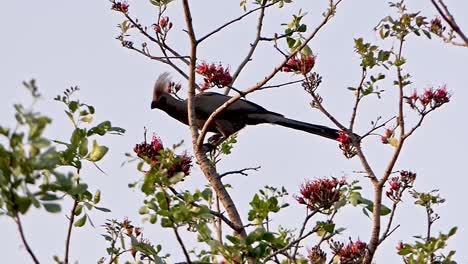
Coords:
97,153
97,197
52,207
83,148
102,209
23,203
78,209
452,231
81,222
302,28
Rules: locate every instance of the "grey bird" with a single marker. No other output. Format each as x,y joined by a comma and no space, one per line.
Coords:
234,118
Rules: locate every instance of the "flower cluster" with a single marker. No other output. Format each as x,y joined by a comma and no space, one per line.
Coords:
163,26
120,7
399,184
316,255
321,194
352,253
151,151
389,135
431,98
183,164
346,144
436,26
131,230
301,64
214,75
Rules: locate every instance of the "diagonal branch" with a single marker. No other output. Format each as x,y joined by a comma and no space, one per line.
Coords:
23,238
70,227
448,17
182,245
234,20
241,171
253,46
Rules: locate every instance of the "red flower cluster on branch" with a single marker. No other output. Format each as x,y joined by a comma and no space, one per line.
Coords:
352,253
436,26
431,98
399,184
163,26
389,133
182,163
149,151
120,7
316,255
321,194
215,75
301,64
346,144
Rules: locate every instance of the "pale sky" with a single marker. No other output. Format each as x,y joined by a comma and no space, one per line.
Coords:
65,43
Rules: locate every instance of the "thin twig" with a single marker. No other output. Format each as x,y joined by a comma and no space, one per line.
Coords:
448,17
387,231
182,245
23,238
358,99
242,171
70,227
114,258
143,31
301,232
232,21
375,127
253,46
281,84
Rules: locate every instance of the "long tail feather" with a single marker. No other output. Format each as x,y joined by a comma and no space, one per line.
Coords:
309,128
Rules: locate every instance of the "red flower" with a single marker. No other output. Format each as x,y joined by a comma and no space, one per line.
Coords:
321,193
302,64
163,25
120,7
183,164
137,231
352,253
399,184
150,151
215,75
436,26
343,138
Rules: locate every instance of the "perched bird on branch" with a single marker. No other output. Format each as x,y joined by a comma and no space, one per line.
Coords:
234,118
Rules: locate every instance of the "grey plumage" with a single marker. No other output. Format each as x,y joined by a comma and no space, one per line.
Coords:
232,119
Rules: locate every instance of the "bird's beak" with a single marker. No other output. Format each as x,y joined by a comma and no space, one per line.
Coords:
153,104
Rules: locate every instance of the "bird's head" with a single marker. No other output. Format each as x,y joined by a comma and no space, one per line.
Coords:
161,90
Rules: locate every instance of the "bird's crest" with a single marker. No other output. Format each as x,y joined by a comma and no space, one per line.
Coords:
161,86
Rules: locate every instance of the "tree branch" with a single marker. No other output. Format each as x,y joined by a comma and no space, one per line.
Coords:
208,170
70,227
358,99
23,238
234,20
241,171
447,16
253,46
182,245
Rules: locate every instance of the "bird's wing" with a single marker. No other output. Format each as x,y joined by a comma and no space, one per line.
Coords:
208,102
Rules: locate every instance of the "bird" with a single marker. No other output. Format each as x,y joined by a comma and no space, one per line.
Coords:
235,117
